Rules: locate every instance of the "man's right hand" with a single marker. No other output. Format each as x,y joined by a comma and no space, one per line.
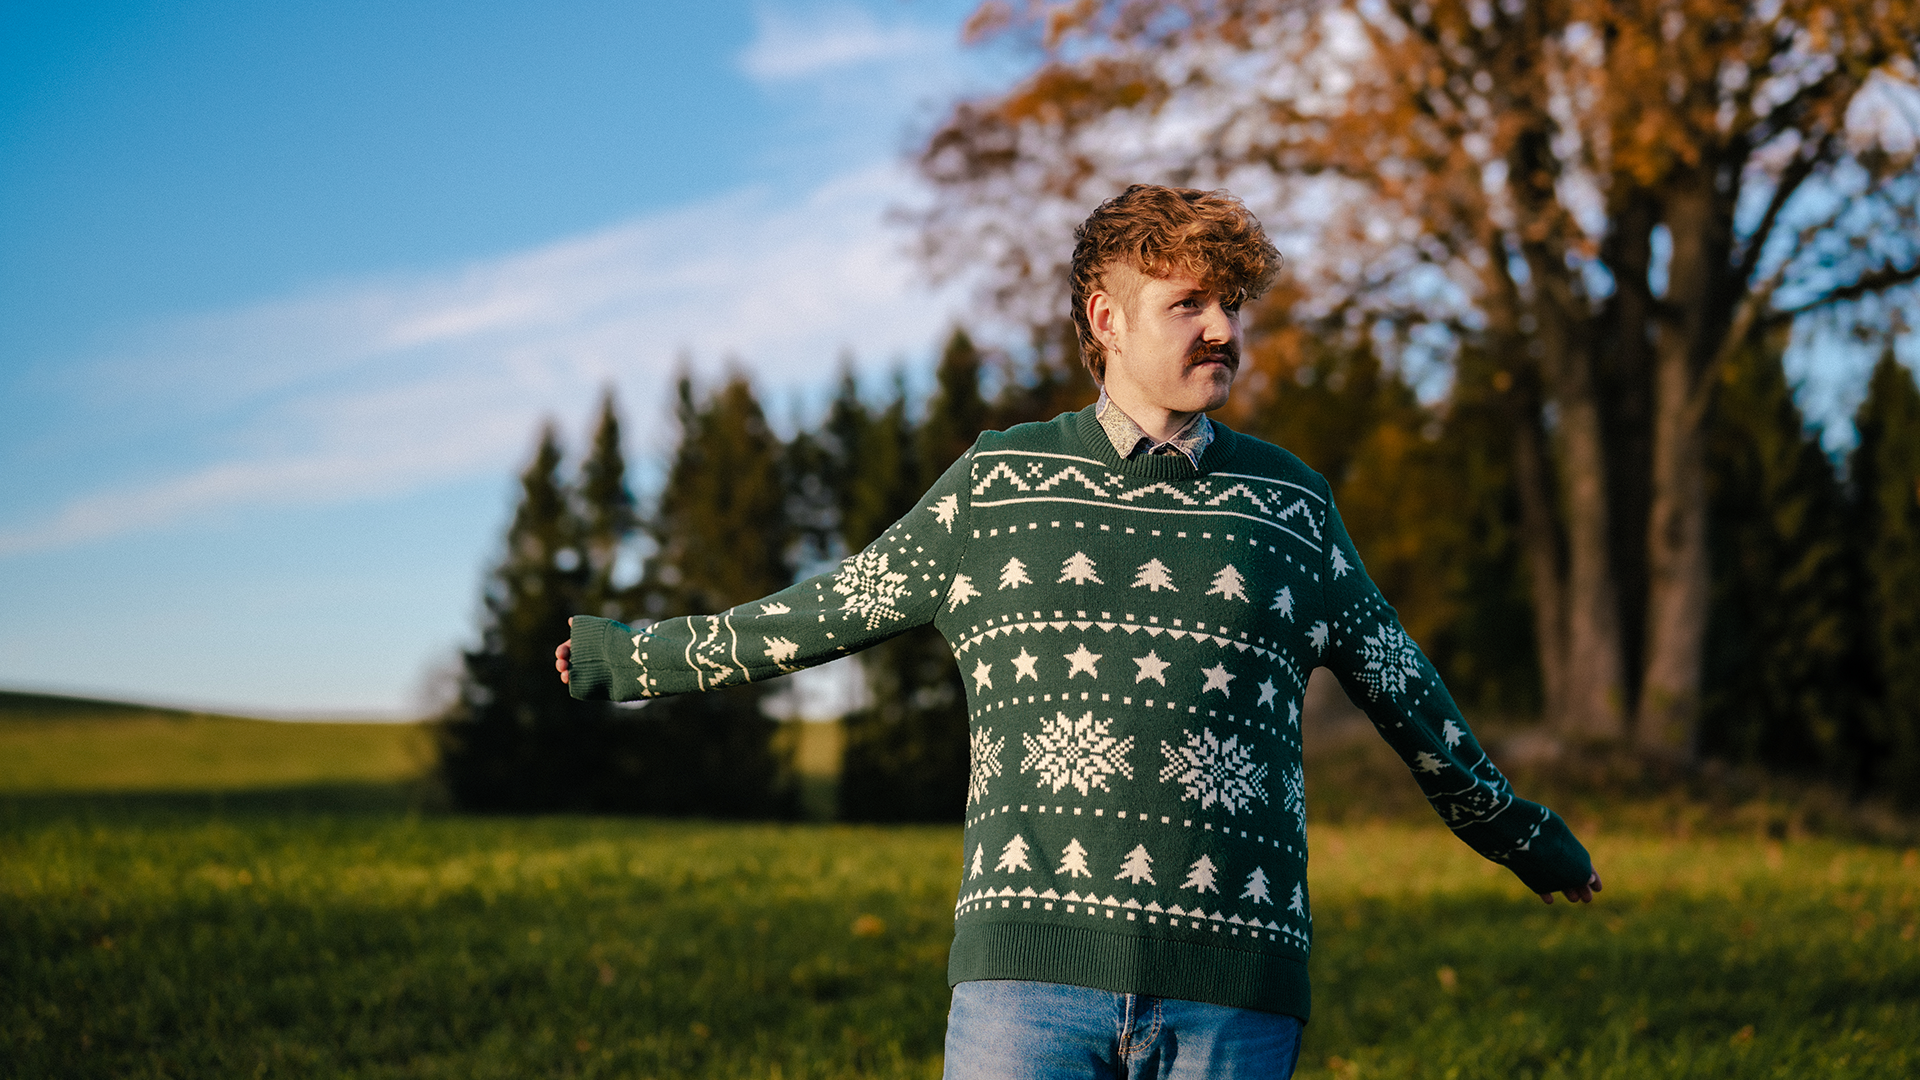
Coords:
563,658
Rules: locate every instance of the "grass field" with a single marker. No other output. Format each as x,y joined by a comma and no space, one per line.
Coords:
266,931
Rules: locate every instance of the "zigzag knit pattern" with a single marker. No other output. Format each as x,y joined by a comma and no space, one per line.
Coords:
1136,638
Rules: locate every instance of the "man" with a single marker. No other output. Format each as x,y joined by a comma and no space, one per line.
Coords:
1136,595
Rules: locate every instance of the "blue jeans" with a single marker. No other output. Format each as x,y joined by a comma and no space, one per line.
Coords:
1013,1030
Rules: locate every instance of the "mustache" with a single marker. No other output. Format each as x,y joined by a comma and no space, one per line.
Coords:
1227,353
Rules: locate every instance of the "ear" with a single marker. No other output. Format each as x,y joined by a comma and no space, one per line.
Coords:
1105,316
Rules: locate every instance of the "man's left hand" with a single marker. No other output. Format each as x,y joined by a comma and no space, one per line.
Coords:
1582,894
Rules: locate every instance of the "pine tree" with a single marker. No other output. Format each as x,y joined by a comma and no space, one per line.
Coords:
514,740
1886,477
1014,855
1257,887
1154,576
723,537
1299,903
1078,569
1283,602
1073,860
1200,876
979,861
1783,670
1228,584
1014,574
906,753
1138,867
607,514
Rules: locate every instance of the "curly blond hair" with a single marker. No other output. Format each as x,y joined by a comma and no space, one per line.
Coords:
1161,232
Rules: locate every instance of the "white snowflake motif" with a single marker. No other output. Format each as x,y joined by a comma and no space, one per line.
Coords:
1080,753
1295,782
983,762
1214,771
873,591
1391,661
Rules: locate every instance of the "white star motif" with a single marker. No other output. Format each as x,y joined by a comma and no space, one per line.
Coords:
982,676
1217,679
1267,693
1151,667
1023,666
1082,660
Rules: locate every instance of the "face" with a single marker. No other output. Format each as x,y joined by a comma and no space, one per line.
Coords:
1175,346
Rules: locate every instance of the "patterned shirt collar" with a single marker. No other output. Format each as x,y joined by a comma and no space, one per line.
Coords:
1130,440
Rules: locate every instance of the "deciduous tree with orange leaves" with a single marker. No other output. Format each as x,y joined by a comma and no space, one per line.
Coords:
1608,199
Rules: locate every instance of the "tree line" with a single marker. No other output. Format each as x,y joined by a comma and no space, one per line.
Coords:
1812,661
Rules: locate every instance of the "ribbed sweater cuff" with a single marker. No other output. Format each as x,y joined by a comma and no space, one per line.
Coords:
591,677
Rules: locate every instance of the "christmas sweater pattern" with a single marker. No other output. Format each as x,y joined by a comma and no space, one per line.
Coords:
1136,637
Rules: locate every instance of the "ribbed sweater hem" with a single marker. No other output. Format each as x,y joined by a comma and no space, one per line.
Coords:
1129,964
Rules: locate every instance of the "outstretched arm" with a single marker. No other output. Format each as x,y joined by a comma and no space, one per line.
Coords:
1397,687
897,583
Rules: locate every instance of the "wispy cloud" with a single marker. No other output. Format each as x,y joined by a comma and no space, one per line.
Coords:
382,386
790,45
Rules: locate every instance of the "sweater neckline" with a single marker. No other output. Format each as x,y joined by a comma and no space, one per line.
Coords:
1095,443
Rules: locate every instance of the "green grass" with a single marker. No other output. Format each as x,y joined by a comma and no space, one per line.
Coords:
51,744
289,932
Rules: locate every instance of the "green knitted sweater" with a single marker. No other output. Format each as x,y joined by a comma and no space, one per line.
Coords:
1136,637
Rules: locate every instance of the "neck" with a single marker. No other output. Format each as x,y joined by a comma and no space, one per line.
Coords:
1159,422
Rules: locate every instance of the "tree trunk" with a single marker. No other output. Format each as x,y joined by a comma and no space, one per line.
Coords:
1677,557
1596,665
1541,545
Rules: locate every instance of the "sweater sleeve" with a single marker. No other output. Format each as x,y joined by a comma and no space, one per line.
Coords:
896,584
1397,687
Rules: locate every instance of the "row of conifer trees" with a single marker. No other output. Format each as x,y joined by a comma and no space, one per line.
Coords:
1814,656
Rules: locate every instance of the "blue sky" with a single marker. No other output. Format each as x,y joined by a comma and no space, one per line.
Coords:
285,291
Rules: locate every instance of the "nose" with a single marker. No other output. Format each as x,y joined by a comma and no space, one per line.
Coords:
1220,325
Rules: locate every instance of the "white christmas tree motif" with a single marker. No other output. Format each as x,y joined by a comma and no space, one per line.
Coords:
1257,887
1283,602
1080,753
983,762
1293,714
1138,867
1317,637
1340,565
1023,666
961,592
1294,780
945,509
1154,576
775,608
982,676
1079,570
872,590
1073,860
1299,904
1014,574
1228,584
1427,763
1080,660
1199,876
780,650
979,867
1267,693
1014,855
1214,771
1217,679
1451,732
1391,661
1151,667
